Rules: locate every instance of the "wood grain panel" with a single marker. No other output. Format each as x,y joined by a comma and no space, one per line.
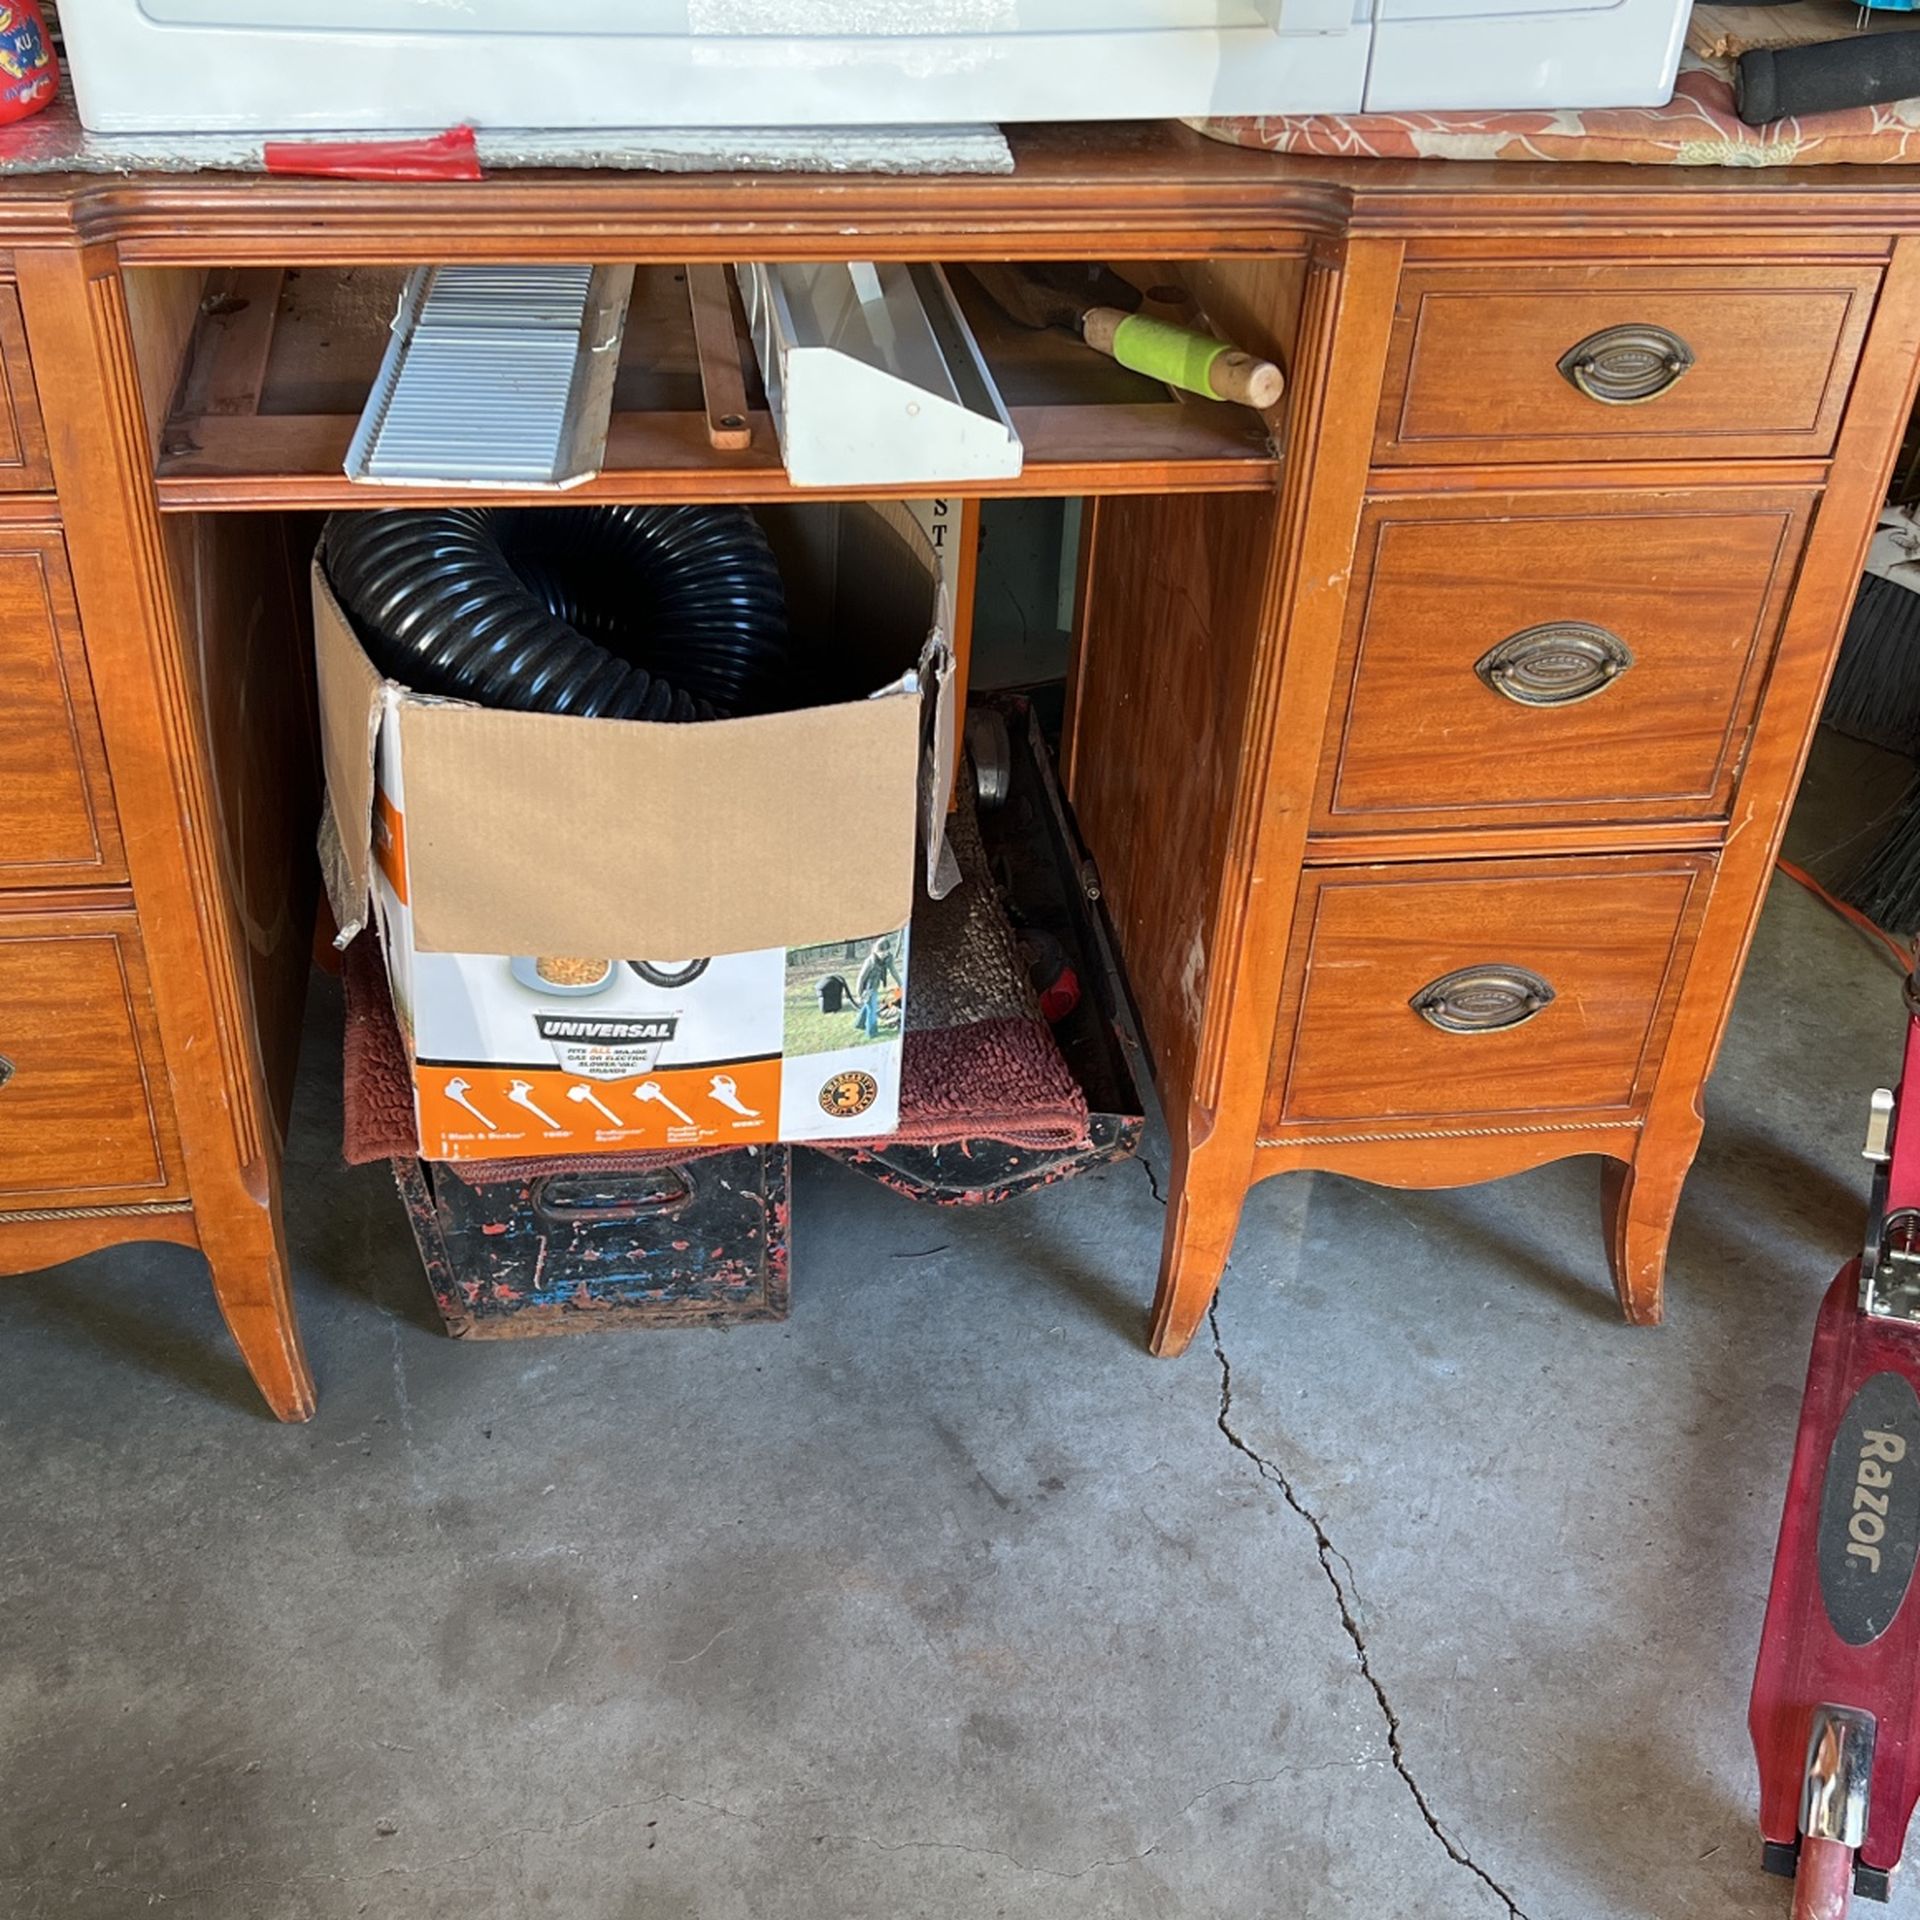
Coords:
1610,936
46,1236
166,307
246,621
84,1113
1692,584
1430,1155
1255,304
24,467
170,810
1143,189
56,802
1474,368
1170,620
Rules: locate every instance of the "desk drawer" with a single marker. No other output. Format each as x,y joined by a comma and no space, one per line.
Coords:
1548,988
1620,363
56,805
1544,659
84,1113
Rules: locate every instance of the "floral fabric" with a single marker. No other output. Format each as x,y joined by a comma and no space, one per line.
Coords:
1696,128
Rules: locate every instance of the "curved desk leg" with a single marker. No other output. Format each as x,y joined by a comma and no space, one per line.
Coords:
247,1257
1208,1188
1639,1198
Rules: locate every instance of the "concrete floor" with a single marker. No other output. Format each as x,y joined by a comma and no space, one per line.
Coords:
1424,1587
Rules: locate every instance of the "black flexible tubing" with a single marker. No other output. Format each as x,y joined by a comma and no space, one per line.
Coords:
628,613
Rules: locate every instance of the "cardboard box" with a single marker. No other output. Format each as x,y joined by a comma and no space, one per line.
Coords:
612,935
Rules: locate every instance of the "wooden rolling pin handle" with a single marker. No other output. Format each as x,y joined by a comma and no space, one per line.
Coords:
1252,383
1098,326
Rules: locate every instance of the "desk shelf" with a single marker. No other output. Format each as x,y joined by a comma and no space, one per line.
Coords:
280,363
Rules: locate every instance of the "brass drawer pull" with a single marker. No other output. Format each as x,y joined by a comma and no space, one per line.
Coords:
1482,999
1556,664
1622,366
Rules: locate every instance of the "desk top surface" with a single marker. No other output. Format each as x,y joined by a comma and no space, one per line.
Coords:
1154,186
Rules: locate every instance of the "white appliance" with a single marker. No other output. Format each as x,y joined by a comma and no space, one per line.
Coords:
305,65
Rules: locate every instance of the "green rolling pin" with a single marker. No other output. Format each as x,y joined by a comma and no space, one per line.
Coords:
1193,362
1083,300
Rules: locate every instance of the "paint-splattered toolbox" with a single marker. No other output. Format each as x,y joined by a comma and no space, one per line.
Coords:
701,1242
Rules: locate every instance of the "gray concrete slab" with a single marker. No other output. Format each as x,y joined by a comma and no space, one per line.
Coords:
1421,1586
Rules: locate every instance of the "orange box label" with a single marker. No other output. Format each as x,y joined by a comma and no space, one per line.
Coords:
514,1113
390,845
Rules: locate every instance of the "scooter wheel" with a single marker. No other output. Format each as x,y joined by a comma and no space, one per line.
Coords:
1823,1882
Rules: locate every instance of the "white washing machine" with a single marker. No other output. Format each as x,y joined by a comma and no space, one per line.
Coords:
306,65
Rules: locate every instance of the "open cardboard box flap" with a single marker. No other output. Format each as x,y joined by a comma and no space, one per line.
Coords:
538,833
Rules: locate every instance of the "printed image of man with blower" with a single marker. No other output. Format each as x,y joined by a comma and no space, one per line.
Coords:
876,974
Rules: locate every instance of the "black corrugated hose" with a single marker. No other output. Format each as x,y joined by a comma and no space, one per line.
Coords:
622,613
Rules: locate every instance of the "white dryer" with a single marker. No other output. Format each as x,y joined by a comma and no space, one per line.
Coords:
306,65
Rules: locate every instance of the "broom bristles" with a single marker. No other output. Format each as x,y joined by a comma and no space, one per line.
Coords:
1875,695
1887,887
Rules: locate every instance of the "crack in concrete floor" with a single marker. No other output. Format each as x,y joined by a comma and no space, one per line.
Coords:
1328,1553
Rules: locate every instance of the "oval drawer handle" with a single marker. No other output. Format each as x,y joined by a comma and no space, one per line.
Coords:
6,1069
1622,366
1556,664
1482,999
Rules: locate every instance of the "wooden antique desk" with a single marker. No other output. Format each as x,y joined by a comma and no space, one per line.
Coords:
1433,738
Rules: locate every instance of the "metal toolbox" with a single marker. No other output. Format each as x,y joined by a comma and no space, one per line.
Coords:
698,1243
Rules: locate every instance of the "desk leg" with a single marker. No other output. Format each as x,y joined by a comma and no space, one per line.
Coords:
1209,1187
1639,1198
247,1255
210,829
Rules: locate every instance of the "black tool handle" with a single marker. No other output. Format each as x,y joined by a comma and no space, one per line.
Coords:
1774,82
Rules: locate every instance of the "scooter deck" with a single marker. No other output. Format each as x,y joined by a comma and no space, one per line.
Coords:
1837,1631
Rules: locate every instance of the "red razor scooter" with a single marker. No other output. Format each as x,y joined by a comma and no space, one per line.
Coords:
1835,1715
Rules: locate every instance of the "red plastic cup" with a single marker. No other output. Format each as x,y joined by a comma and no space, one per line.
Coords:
29,73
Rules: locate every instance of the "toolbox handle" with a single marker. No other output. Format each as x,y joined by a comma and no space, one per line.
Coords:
577,1199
